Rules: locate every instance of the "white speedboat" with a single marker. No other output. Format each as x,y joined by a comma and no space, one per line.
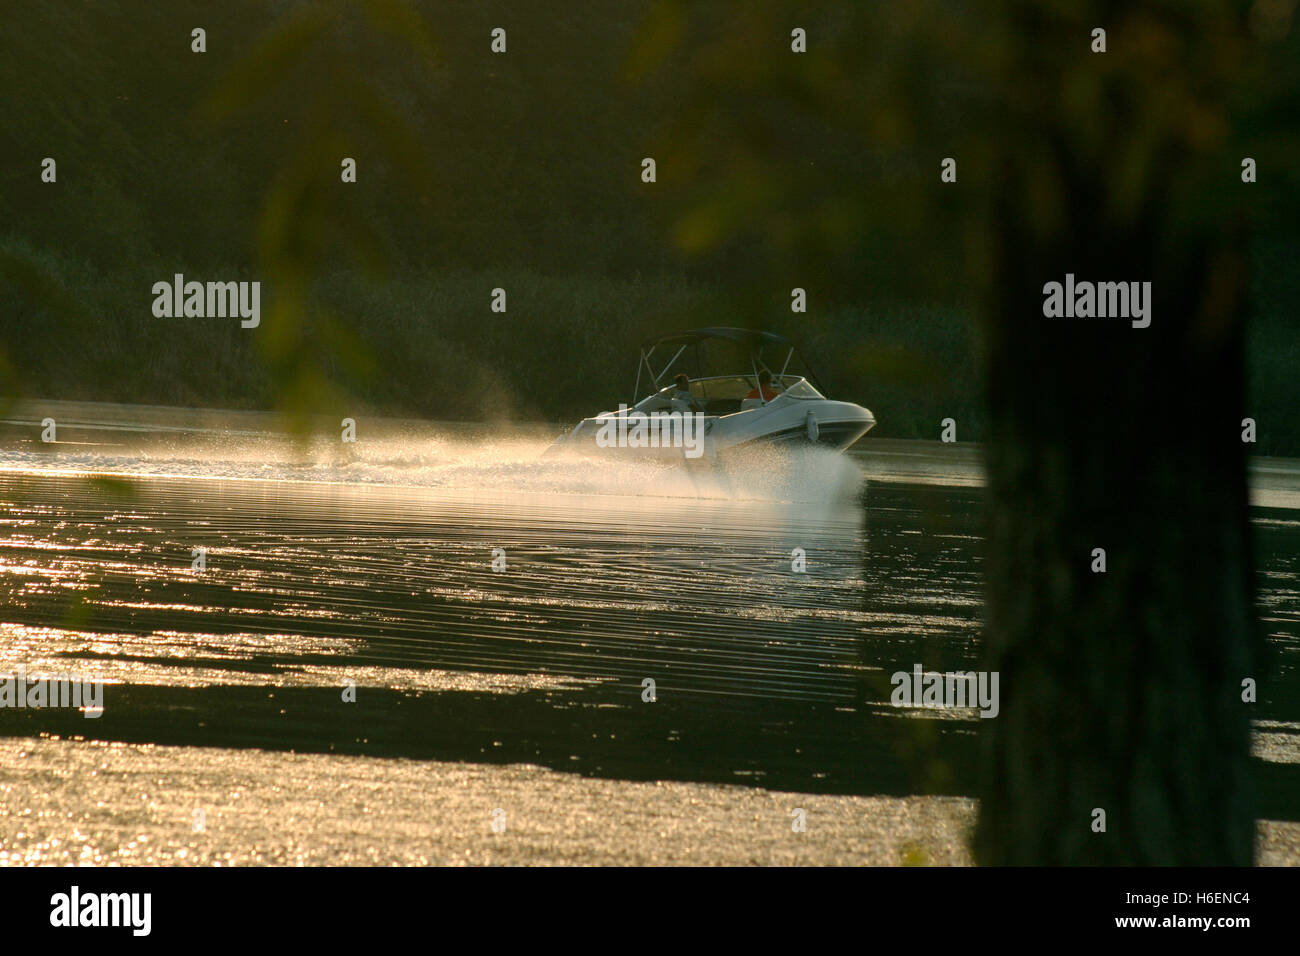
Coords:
704,416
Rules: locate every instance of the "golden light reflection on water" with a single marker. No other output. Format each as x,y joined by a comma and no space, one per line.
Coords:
378,573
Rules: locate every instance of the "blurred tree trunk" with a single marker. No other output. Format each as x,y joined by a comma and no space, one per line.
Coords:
1122,690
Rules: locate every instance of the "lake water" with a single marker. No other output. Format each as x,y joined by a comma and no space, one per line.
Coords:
434,645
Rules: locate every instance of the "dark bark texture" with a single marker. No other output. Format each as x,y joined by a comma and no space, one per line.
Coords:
1121,691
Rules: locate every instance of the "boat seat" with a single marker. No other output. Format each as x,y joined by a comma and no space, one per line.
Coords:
749,403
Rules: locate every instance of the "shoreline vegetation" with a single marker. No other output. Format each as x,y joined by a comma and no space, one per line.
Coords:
564,349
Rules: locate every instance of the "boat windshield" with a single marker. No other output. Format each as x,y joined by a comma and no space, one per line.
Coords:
801,389
722,395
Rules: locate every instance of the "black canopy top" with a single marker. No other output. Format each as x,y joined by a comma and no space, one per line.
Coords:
751,337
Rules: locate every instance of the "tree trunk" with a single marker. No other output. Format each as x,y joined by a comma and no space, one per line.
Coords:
1121,690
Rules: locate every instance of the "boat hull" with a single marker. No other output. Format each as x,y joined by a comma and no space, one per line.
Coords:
825,424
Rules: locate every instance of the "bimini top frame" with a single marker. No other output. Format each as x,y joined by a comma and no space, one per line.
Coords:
752,339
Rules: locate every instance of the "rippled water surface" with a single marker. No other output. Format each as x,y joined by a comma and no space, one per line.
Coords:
440,598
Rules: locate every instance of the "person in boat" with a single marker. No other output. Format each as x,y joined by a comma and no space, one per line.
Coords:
764,383
682,393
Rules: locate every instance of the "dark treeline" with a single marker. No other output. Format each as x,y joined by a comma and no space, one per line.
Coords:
478,170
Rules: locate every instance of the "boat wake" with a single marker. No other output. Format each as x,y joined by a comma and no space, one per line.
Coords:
490,461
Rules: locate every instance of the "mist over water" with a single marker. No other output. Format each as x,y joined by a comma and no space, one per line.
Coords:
497,460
